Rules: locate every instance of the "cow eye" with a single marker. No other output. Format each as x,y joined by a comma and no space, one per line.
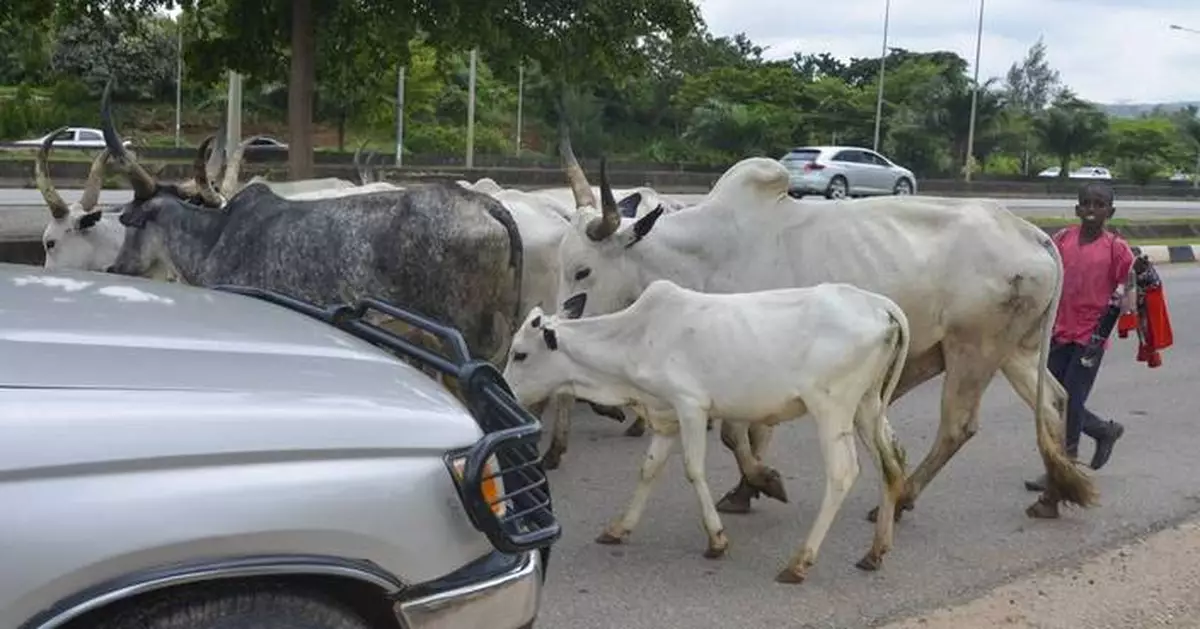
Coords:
50,244
519,356
582,274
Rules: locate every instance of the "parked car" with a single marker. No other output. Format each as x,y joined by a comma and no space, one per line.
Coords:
204,458
266,142
86,138
1083,172
845,171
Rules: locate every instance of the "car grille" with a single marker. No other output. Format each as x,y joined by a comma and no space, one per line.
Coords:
511,434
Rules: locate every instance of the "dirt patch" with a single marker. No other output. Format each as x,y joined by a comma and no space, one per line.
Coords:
1154,582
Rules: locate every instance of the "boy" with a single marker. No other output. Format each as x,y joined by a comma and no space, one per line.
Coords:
1096,264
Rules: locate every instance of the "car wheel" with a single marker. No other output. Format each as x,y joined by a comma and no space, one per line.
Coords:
237,606
795,194
837,188
903,186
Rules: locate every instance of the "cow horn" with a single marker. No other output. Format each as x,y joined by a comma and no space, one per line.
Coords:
362,172
604,226
200,174
580,187
91,189
216,159
143,184
233,170
41,175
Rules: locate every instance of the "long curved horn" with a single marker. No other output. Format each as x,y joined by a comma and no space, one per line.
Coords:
91,190
143,184
604,226
216,159
41,175
580,187
200,174
233,169
375,176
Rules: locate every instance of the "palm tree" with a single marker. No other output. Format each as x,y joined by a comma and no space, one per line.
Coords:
952,119
1070,127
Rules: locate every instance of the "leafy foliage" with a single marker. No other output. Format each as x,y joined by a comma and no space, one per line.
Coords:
637,78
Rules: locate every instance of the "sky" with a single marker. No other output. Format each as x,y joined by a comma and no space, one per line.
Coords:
1108,51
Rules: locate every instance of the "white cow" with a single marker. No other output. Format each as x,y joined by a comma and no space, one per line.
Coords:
82,235
980,287
79,235
679,356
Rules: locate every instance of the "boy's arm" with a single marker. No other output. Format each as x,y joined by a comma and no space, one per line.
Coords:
1124,276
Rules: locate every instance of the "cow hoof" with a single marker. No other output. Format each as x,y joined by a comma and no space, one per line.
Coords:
770,484
870,562
716,548
609,539
552,460
790,576
611,412
1043,510
637,428
737,500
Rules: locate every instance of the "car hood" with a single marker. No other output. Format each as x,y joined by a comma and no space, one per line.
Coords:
95,354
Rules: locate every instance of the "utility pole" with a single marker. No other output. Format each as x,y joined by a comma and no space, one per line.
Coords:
233,113
969,162
887,9
471,113
400,117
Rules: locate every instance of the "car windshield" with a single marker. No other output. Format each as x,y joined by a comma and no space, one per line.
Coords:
800,156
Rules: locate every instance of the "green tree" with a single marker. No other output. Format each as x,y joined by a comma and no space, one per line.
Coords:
1070,127
1028,88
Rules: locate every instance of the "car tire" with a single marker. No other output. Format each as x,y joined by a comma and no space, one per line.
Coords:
838,188
903,186
237,606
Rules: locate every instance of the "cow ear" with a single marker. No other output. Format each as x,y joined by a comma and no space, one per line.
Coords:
643,226
88,220
629,205
551,338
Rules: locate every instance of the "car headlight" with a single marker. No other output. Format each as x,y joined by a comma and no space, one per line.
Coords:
492,485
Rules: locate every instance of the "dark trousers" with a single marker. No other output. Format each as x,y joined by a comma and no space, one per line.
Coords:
1077,380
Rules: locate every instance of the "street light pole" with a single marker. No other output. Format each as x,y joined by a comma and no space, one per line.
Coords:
974,98
887,9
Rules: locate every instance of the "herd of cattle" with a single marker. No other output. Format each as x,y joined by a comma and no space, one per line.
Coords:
747,307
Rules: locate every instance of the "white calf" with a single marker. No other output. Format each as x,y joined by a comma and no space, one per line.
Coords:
679,356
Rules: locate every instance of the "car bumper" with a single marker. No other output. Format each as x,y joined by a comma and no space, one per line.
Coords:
812,183
479,596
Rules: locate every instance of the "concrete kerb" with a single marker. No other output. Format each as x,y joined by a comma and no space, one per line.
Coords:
1171,254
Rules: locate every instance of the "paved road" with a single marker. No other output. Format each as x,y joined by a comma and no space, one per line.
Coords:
967,534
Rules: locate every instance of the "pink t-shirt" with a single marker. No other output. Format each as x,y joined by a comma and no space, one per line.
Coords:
1091,273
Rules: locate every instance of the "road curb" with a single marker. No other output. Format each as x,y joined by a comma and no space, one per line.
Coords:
1171,254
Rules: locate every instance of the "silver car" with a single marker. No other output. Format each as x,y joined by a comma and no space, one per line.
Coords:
200,459
845,171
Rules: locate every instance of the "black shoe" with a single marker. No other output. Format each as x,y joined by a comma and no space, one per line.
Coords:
1036,485
1104,445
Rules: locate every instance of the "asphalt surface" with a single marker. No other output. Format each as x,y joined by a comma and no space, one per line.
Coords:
967,534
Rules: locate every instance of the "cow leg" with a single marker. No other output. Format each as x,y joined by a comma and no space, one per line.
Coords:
756,478
834,423
969,370
1065,481
917,370
661,441
691,431
561,407
871,424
